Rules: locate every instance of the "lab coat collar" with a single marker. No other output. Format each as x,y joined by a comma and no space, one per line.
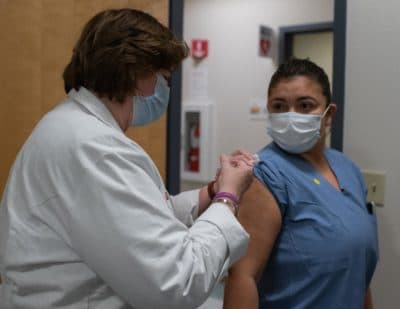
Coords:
94,105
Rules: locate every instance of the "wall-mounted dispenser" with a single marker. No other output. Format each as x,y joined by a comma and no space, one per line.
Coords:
198,159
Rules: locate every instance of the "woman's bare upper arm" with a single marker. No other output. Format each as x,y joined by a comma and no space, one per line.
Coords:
260,216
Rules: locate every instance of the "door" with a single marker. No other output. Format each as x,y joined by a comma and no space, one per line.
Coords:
318,47
315,42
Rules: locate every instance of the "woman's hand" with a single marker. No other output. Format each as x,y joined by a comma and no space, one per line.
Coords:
235,174
244,156
232,181
236,157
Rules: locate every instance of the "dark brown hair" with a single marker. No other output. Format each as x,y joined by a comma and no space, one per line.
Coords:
116,48
302,67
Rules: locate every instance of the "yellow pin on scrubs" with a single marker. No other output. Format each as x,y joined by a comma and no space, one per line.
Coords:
316,181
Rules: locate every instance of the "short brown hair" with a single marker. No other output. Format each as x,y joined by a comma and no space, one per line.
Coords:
116,48
302,67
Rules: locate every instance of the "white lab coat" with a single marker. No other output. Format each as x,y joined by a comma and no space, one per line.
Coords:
86,222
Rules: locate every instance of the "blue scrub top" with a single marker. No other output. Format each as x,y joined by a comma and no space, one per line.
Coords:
327,250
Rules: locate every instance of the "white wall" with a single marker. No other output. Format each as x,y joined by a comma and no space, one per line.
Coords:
236,72
372,126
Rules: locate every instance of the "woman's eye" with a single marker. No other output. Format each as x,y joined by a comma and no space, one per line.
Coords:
278,107
306,106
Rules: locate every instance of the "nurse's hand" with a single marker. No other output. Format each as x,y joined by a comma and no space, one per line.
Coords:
235,176
238,155
244,156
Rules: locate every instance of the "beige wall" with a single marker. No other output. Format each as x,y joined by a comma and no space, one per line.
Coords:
372,126
37,37
316,46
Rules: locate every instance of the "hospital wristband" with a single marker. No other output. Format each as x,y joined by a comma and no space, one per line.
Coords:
228,195
232,205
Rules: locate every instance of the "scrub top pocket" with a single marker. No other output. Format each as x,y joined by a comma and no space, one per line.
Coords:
311,220
329,266
314,232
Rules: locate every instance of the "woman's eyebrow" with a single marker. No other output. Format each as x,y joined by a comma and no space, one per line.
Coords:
278,99
307,98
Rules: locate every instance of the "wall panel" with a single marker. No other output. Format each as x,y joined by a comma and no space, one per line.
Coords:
37,38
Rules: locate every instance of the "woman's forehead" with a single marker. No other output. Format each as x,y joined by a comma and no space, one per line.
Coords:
296,84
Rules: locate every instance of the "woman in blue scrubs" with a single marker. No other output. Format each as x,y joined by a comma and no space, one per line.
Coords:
314,238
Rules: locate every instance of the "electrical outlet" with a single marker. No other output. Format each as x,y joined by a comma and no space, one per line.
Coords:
376,186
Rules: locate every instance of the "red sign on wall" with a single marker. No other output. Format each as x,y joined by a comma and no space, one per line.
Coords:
264,47
199,49
265,41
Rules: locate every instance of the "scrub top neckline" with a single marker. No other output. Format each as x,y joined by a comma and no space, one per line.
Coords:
317,174
333,169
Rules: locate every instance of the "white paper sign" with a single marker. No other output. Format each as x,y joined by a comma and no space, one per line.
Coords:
257,109
199,83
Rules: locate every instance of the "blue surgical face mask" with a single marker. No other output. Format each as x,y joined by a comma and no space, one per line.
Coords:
295,132
150,108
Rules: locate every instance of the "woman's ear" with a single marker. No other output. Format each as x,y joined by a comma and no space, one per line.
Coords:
330,113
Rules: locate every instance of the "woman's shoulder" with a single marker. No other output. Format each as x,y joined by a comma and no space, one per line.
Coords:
344,162
270,152
339,156
275,158
272,164
70,132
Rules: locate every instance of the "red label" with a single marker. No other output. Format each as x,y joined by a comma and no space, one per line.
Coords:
264,46
199,49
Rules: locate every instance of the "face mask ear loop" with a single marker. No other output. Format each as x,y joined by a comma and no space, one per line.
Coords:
327,129
326,110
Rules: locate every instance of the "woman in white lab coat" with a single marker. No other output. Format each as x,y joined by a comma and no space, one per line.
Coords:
86,221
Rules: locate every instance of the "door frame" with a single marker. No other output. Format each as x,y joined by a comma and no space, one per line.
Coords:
174,110
173,177
286,38
338,66
338,72
287,33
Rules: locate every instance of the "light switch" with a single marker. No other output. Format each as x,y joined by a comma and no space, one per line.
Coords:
376,186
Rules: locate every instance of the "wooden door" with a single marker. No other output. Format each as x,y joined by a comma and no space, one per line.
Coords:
36,40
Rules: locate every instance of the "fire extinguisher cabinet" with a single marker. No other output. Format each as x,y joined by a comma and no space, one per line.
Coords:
198,162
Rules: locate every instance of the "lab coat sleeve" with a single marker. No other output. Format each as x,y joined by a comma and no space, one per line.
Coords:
186,206
122,227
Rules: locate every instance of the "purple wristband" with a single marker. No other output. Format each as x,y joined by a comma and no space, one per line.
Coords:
228,195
